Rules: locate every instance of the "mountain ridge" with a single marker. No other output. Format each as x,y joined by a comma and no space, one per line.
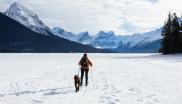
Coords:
102,40
15,37
27,17
108,40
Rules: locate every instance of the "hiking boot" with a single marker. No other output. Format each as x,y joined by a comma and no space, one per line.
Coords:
77,89
86,84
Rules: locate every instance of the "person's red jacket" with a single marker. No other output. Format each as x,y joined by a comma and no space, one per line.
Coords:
87,66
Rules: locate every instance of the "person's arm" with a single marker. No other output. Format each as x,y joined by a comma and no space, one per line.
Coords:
80,62
90,63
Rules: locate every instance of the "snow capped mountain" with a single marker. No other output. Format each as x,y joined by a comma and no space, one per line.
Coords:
141,38
150,37
153,46
106,40
103,36
84,38
62,33
109,40
146,42
27,18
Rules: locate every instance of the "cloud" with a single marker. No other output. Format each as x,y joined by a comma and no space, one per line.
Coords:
121,16
128,27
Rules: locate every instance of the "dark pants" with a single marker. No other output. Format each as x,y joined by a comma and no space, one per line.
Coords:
86,76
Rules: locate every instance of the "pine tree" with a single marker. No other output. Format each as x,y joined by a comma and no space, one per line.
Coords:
180,36
165,48
175,30
172,35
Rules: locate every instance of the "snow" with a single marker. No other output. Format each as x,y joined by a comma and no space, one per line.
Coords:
115,79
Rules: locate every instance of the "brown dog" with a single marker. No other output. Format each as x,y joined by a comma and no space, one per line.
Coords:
77,82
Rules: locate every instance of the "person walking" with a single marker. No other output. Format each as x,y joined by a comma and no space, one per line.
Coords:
85,63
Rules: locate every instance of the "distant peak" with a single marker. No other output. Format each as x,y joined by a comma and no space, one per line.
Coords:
111,32
58,30
26,17
84,34
18,9
101,32
15,4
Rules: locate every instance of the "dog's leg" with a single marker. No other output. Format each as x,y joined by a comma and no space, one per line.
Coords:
77,89
78,84
75,86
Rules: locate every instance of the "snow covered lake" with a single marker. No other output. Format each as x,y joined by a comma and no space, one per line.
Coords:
115,79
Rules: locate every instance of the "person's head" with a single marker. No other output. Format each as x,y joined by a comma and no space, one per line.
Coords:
85,55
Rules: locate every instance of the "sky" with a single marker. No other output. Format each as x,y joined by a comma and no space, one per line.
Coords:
121,16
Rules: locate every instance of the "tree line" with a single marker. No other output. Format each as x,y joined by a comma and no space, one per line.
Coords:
172,35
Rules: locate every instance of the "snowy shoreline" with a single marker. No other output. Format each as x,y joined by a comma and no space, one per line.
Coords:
116,79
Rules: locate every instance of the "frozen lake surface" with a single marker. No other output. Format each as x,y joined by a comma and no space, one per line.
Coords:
115,79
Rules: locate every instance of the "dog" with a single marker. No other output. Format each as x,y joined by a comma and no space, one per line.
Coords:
77,82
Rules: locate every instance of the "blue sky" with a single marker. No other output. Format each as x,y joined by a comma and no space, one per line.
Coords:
121,16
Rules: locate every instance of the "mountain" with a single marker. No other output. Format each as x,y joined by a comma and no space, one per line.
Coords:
108,40
27,18
105,40
84,38
149,47
144,38
153,46
15,37
62,33
140,42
